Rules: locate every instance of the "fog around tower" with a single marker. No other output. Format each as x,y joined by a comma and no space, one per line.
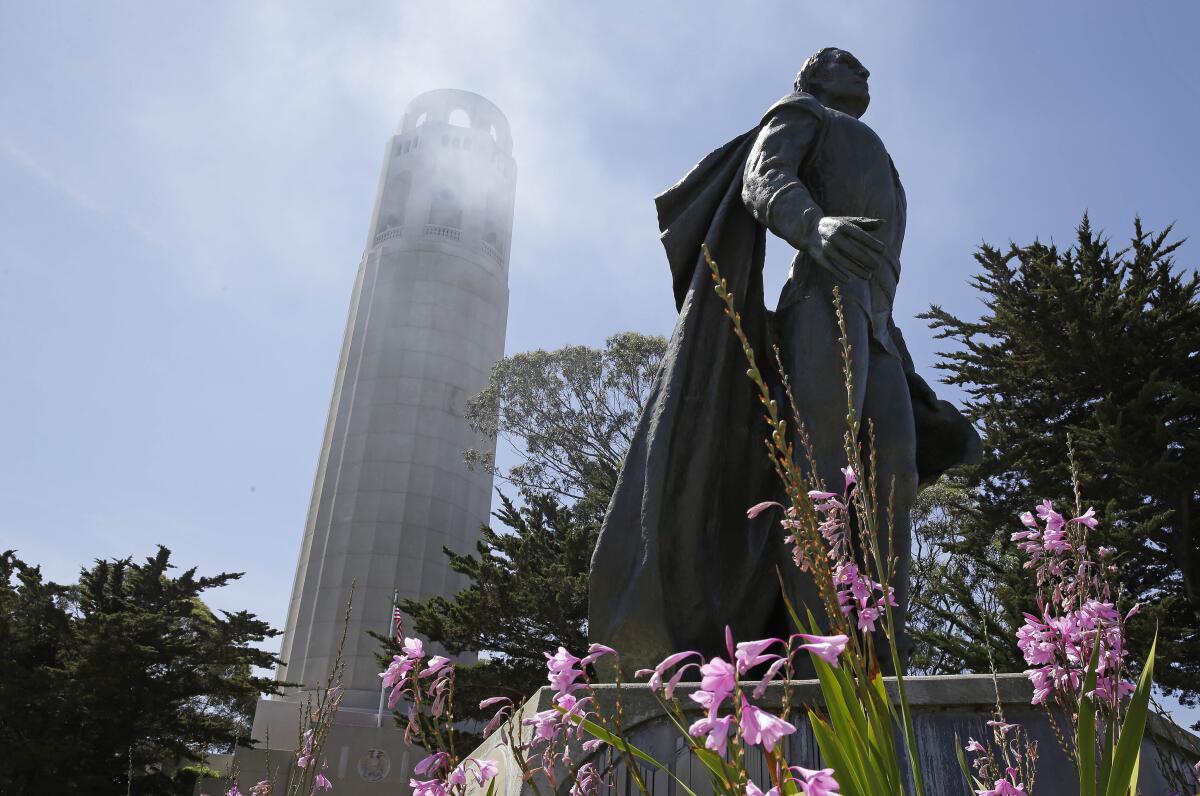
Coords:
186,193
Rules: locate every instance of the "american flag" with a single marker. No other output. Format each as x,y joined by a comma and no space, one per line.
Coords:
398,622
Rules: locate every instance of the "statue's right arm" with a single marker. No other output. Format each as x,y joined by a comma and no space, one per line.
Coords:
771,186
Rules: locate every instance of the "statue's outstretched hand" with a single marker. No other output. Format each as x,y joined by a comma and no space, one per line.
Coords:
845,246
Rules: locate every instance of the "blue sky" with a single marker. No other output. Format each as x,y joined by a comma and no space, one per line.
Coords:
185,191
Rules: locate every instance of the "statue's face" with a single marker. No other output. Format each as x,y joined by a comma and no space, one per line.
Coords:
843,84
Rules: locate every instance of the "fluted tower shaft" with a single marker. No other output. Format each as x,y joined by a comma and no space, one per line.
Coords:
427,322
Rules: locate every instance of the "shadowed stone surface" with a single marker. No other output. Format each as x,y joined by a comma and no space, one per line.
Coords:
942,707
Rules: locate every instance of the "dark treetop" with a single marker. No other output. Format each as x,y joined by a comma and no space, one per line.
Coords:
677,560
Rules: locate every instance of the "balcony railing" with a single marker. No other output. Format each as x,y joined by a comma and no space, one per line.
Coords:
449,233
493,252
388,234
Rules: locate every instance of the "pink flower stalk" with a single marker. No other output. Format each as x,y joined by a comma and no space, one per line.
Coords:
760,727
815,782
1076,612
305,756
827,648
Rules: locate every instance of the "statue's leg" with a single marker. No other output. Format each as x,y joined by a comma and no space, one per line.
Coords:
888,407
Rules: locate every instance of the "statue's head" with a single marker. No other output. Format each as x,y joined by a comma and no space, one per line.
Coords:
837,79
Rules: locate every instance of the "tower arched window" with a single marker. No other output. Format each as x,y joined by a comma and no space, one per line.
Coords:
459,118
395,201
495,216
446,210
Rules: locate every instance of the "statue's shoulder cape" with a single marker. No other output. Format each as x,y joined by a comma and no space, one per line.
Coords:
687,210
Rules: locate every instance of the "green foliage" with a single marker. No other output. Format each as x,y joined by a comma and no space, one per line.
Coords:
569,414
125,672
527,593
1103,346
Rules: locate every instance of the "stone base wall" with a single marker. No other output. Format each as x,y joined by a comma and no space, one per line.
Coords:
947,711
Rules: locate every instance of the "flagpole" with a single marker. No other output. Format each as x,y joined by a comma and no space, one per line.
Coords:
394,630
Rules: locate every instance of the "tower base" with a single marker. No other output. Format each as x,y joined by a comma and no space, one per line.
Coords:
366,752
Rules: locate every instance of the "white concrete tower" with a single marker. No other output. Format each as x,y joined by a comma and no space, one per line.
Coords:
427,322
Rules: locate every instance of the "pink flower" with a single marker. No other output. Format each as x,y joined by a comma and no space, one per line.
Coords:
819,782
848,474
1088,518
484,771
1004,788
429,787
435,665
656,674
760,727
430,764
750,653
716,680
233,790
759,508
974,746
587,780
262,788
396,671
715,730
754,790
545,724
827,648
413,648
321,782
867,618
496,700
595,653
561,671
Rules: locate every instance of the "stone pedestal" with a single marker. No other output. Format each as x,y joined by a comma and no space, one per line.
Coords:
943,708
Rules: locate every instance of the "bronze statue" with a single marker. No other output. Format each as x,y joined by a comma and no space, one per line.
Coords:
677,559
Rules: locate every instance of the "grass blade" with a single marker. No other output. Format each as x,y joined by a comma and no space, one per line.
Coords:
1129,747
